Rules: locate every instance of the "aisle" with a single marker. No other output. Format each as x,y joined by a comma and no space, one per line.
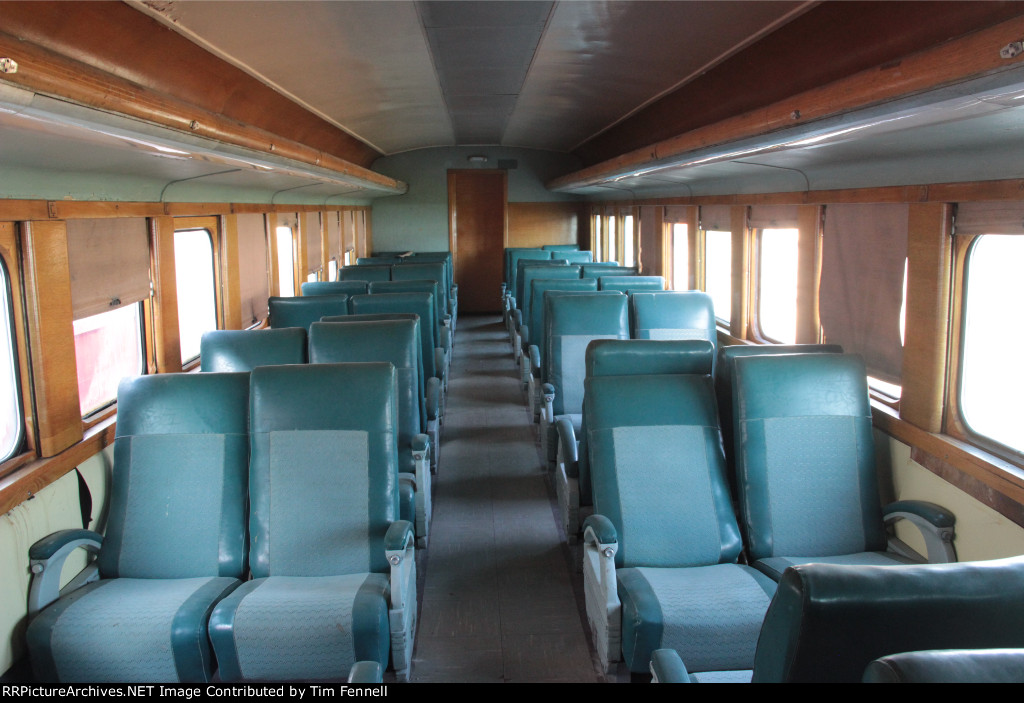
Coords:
498,603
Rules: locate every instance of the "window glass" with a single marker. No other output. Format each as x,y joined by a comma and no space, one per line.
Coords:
991,382
613,250
197,291
777,279
893,391
628,235
11,419
680,256
285,262
718,272
108,347
332,270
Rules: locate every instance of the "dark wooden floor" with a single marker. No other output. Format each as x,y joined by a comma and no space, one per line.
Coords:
500,600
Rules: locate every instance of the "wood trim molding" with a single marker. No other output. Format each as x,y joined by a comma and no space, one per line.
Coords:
167,336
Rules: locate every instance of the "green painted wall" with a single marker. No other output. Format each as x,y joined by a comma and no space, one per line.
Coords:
418,220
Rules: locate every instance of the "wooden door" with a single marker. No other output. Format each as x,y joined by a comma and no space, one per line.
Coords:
478,231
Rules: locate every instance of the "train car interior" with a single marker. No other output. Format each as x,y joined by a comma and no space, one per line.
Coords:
590,341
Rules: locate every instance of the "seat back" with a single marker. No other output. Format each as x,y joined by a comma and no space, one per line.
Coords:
561,247
413,286
571,321
395,341
302,312
323,444
522,265
577,257
178,491
421,304
514,256
628,284
600,268
310,288
724,381
365,272
538,288
827,622
532,273
426,271
243,350
657,467
673,315
805,456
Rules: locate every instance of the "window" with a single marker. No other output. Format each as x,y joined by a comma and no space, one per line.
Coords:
332,269
628,237
778,255
612,250
197,291
680,256
285,261
108,347
11,418
718,272
991,384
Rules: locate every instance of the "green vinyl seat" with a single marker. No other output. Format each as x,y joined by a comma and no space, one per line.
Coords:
522,316
244,350
437,271
673,315
571,321
518,309
350,288
430,407
629,284
512,258
614,357
334,570
395,341
303,312
365,272
561,247
174,544
422,285
805,464
948,666
829,623
661,551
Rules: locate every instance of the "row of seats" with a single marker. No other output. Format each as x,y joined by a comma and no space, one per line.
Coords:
434,266
662,551
253,530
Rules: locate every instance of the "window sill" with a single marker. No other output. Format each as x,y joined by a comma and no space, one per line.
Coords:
25,482
988,478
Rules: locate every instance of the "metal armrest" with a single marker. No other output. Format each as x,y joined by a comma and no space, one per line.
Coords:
400,549
600,585
433,392
548,395
568,446
937,526
535,360
421,458
47,557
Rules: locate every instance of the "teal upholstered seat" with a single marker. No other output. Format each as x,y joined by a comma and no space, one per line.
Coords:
334,578
528,275
430,407
561,247
629,284
436,339
453,289
513,256
673,315
395,341
614,357
535,351
806,467
828,622
437,271
949,666
365,272
174,546
302,312
422,285
571,321
661,550
349,288
243,350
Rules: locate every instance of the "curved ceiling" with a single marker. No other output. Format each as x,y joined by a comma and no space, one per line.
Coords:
408,75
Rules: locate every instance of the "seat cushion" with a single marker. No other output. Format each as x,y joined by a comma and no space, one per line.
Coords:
774,566
710,614
128,630
302,628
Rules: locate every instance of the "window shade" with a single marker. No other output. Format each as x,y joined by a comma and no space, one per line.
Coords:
773,217
716,218
109,264
314,241
675,214
864,251
990,218
253,276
